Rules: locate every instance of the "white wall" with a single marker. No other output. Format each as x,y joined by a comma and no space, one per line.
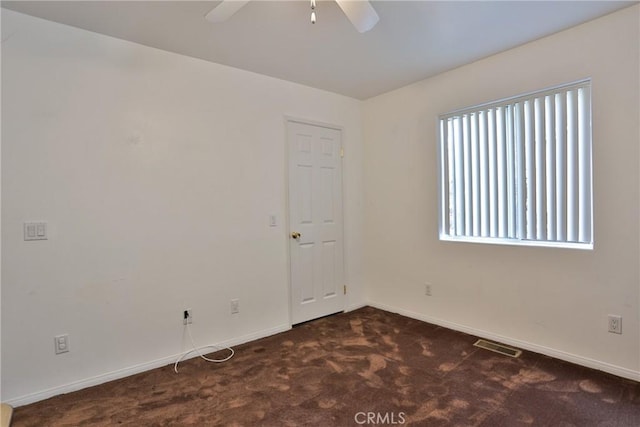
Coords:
553,300
156,173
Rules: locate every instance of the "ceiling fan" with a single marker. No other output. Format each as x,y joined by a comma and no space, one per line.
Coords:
360,12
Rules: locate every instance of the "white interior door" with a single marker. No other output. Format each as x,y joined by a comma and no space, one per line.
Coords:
315,221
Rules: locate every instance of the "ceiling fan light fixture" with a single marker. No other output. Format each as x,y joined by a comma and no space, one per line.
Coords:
360,12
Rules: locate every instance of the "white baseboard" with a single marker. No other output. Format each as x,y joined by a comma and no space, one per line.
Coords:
125,372
353,307
558,354
136,369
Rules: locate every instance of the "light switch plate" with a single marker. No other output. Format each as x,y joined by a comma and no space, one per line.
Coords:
35,230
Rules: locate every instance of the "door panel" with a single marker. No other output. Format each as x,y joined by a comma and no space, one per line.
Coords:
306,273
315,205
329,268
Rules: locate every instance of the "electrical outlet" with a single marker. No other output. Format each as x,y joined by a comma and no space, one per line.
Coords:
615,324
187,316
61,343
235,306
427,289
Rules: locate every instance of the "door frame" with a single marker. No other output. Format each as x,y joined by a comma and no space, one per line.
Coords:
293,119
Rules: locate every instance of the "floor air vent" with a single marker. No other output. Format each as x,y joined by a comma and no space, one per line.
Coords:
498,348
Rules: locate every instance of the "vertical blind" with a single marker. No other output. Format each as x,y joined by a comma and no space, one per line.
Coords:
519,169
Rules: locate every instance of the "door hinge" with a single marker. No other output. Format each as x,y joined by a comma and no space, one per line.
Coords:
345,289
341,152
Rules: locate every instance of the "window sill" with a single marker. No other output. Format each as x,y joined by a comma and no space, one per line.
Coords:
516,242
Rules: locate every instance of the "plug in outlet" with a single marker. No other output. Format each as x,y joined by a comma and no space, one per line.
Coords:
187,317
427,289
615,324
235,306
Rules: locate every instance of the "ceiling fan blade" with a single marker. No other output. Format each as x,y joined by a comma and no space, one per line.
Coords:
225,10
361,14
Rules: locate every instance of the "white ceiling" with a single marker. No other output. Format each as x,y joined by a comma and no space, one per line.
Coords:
413,40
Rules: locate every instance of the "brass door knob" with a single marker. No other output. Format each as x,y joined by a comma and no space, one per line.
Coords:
295,235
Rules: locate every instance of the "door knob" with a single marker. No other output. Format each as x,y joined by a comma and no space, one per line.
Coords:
295,235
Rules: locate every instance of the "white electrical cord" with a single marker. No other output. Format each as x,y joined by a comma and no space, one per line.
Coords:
197,349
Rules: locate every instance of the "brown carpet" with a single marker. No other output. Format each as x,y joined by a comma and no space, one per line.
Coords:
366,367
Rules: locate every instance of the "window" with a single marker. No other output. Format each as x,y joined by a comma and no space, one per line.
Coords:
518,171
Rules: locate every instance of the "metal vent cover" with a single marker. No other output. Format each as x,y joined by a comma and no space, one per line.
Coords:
498,348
